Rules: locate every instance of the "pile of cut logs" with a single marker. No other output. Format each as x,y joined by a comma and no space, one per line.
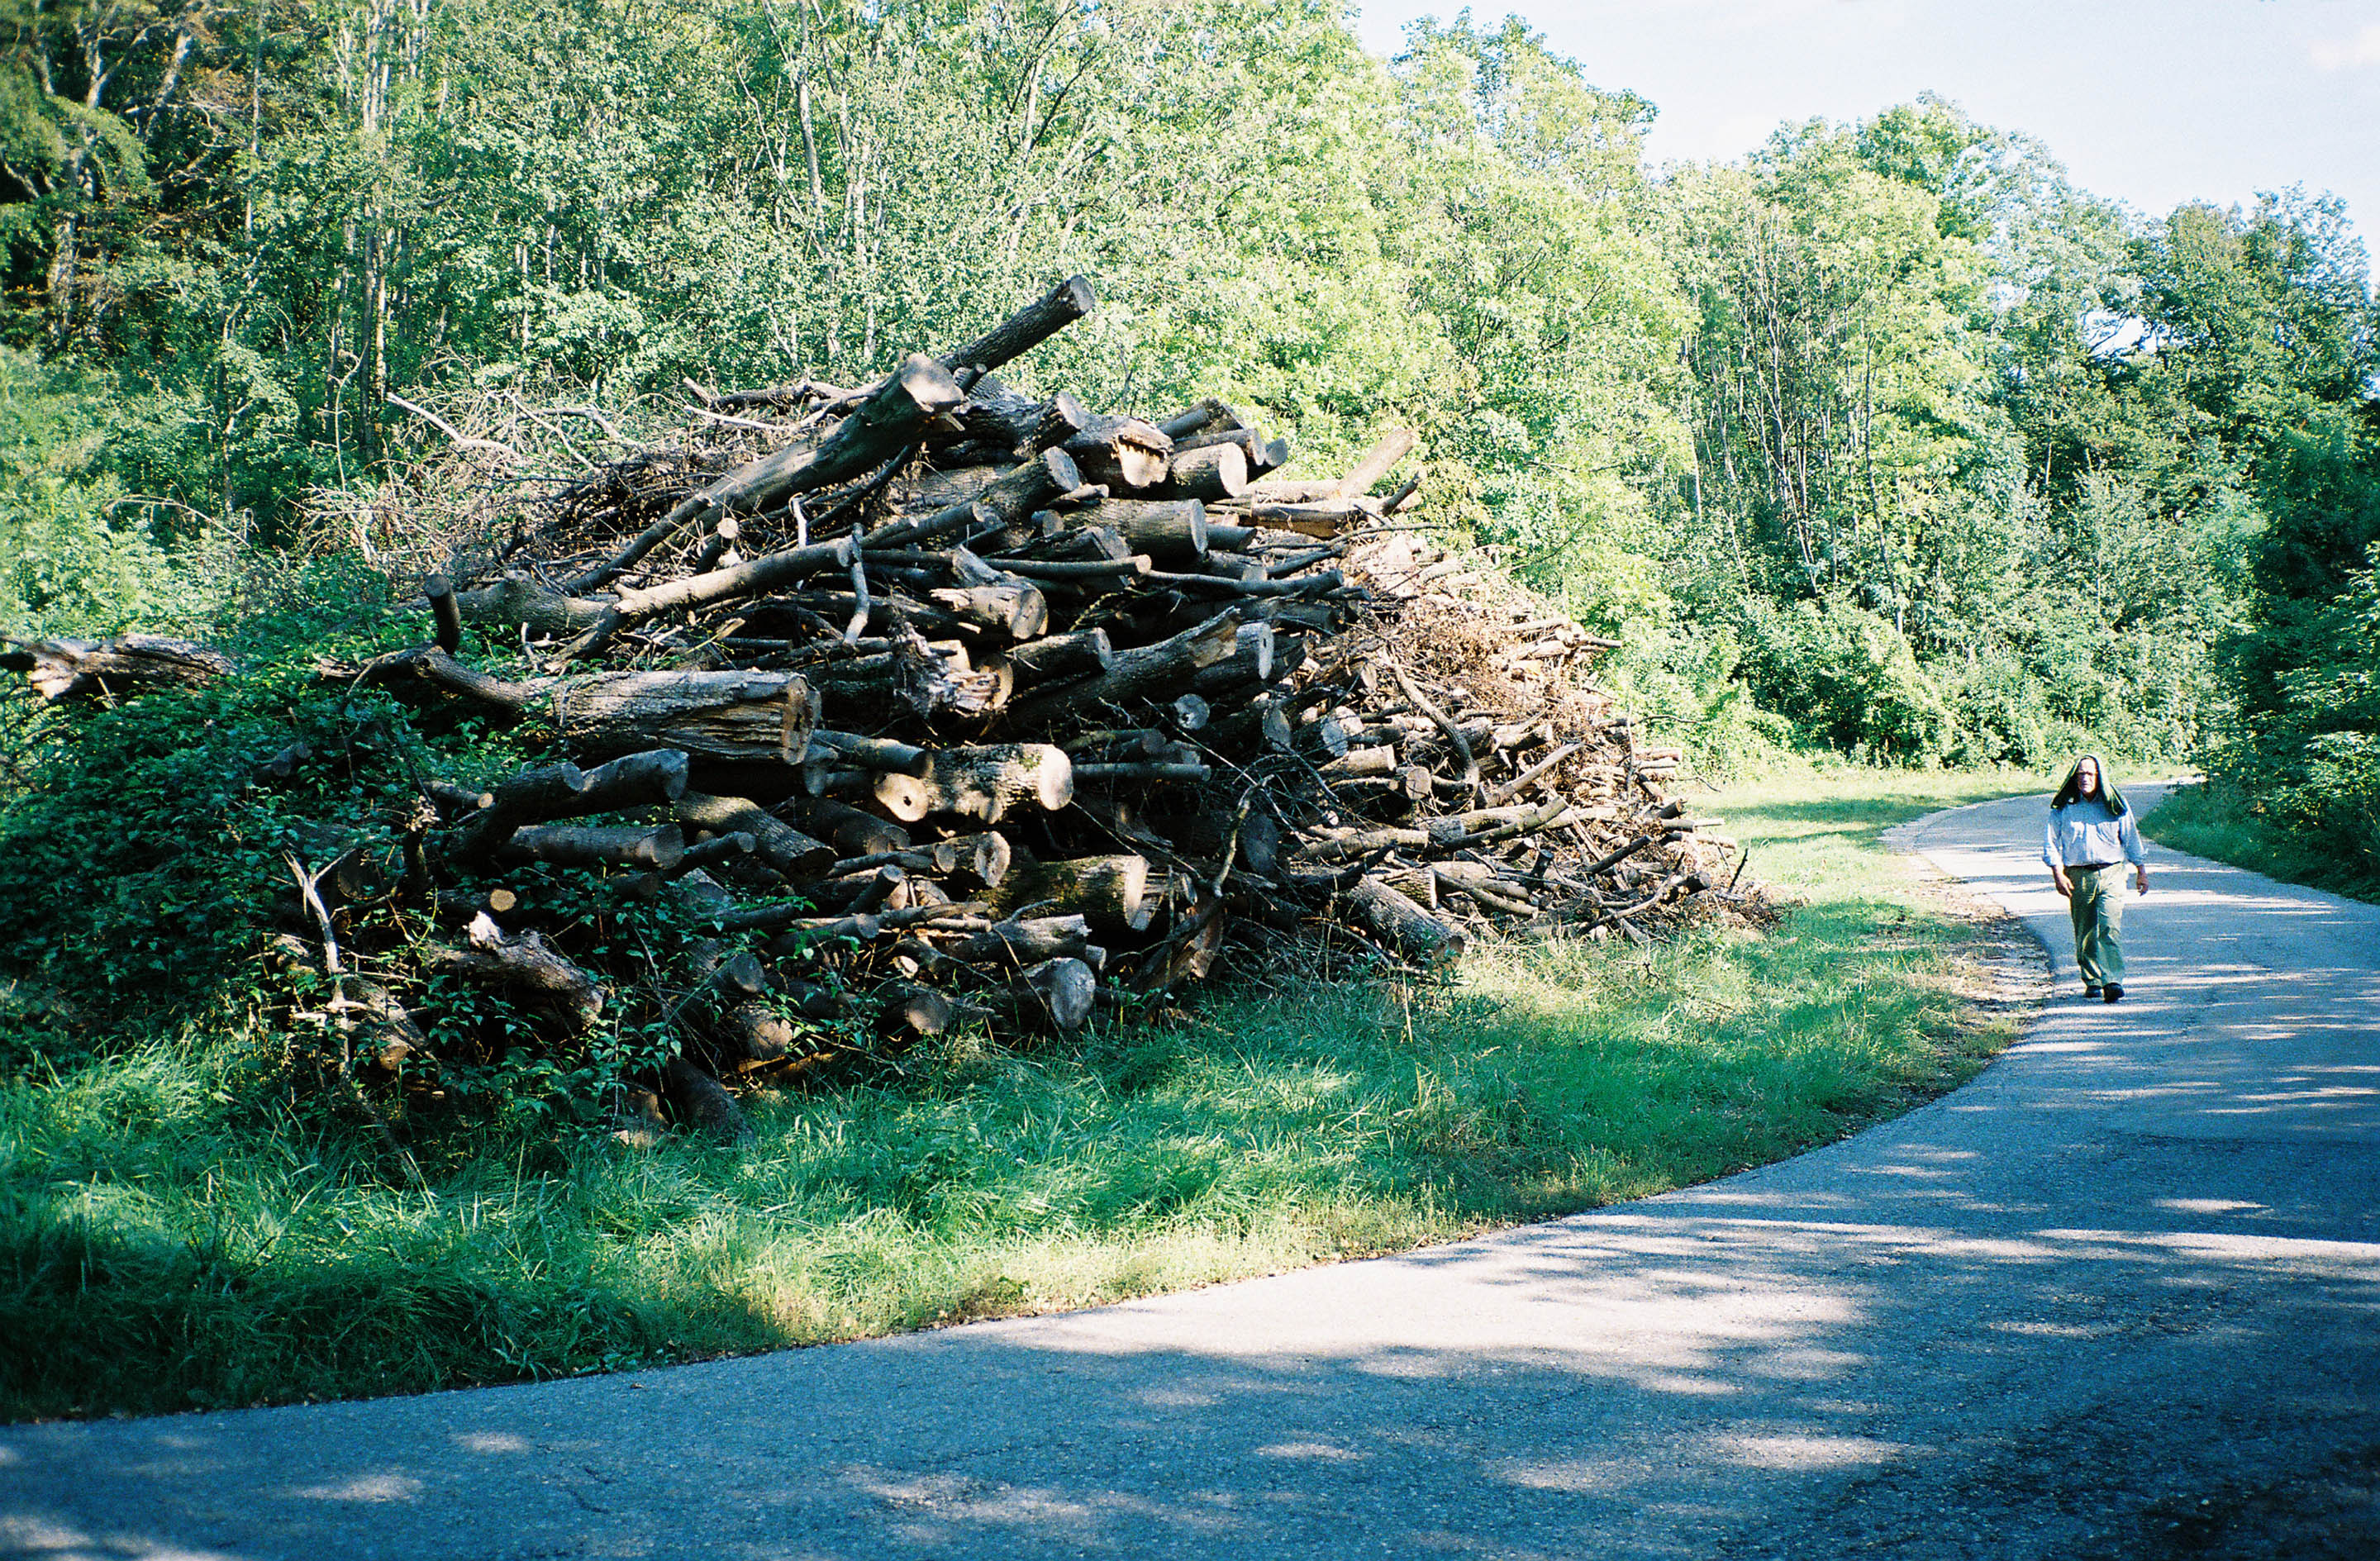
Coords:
942,704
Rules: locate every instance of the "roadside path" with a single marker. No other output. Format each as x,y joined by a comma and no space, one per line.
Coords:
2116,1292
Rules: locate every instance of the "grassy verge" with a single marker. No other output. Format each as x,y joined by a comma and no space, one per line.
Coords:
168,1244
2215,820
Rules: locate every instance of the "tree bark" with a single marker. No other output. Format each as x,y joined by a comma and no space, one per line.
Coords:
1410,932
749,578
998,422
752,1033
852,832
518,600
1249,663
721,715
1085,542
1063,655
1110,892
725,715
581,845
797,857
119,668
1057,993
872,752
1027,328
724,851
445,613
1209,414
905,1010
1121,451
703,1102
563,791
1014,942
1210,471
1392,447
1170,531
1013,612
1011,499
858,894
981,782
526,965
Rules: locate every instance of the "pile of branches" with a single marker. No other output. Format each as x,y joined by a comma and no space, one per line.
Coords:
937,705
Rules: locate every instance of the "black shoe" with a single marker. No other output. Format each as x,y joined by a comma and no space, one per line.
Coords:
2090,992
2112,992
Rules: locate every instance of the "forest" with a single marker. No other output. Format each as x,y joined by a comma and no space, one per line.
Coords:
1887,439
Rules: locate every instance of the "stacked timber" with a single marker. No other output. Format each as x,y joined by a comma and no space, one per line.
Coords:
936,703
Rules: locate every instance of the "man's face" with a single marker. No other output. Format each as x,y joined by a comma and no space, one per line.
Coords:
2086,779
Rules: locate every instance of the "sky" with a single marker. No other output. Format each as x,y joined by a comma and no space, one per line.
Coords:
2150,101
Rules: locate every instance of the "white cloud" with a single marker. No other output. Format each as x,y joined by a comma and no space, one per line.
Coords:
2349,53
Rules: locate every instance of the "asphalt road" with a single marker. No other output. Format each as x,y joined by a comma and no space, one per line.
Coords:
2116,1298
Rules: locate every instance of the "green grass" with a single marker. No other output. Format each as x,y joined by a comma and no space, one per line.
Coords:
2215,821
168,1242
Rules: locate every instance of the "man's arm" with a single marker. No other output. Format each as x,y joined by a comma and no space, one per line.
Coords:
2049,855
2128,832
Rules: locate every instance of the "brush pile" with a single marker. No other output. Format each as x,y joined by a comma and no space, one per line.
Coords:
942,704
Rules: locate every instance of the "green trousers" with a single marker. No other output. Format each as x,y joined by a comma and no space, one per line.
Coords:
2097,907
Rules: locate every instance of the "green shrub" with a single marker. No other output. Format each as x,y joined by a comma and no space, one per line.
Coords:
143,863
78,553
1846,678
1686,687
2308,761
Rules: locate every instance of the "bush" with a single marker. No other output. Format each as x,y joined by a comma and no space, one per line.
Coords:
2309,762
143,863
1686,687
78,555
1996,706
135,853
1846,678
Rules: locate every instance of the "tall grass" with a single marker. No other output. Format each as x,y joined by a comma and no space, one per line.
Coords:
2216,820
170,1240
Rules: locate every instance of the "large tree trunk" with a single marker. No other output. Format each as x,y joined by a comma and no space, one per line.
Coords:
1409,931
119,668
731,715
1171,531
983,782
1110,892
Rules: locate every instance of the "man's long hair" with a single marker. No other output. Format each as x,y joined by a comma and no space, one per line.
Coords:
2072,791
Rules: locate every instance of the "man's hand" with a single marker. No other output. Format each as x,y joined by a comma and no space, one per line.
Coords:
2140,878
2057,877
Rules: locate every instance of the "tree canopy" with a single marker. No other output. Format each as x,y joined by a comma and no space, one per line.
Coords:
1888,426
